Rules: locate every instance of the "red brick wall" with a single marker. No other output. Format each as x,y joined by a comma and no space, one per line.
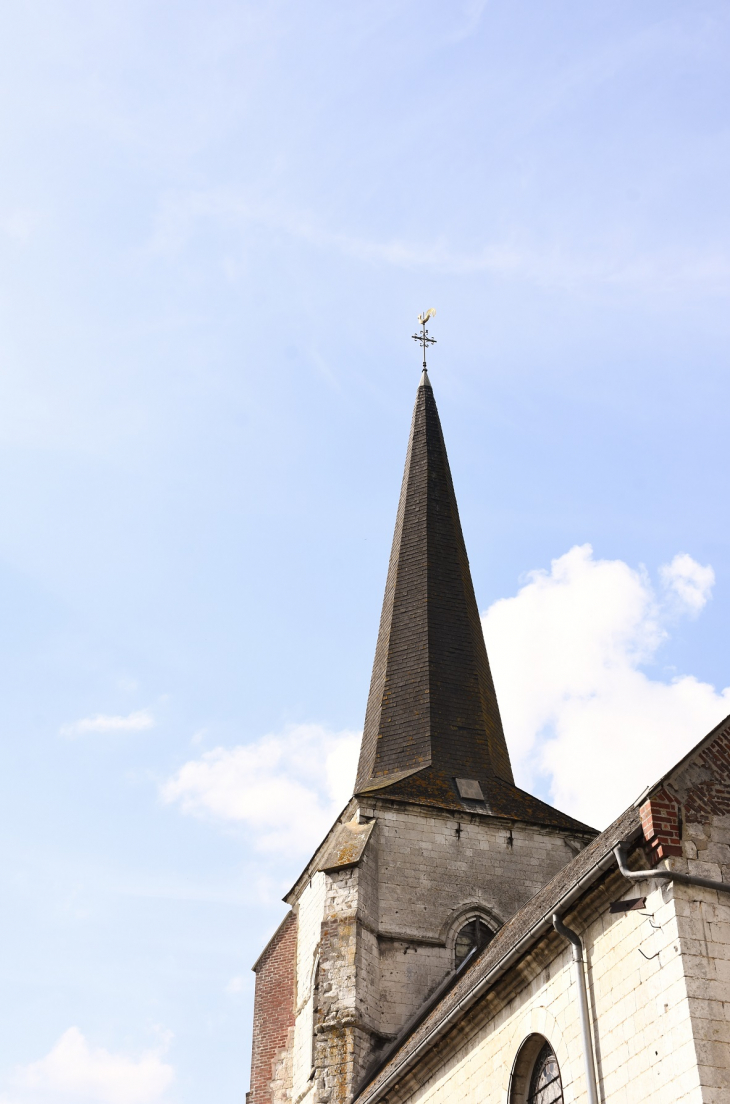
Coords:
711,796
273,1007
700,791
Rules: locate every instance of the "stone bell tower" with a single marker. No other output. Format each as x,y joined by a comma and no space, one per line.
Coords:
437,847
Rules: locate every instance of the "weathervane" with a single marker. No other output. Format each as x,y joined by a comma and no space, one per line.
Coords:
422,338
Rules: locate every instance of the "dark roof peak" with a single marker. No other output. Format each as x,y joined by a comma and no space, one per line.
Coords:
433,732
432,702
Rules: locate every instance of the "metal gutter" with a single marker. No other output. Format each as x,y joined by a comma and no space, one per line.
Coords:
665,875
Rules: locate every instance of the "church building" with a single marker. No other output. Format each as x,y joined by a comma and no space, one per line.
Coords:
455,940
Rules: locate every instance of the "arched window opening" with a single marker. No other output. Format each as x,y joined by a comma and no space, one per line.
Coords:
545,1084
474,934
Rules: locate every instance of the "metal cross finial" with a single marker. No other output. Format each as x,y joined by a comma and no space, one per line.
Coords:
422,338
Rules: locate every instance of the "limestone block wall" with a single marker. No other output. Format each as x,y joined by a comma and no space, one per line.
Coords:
367,966
433,870
337,981
366,945
703,920
347,1012
378,937
309,909
659,994
642,1025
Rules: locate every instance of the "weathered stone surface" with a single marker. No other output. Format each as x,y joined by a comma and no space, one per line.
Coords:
376,936
659,978
347,846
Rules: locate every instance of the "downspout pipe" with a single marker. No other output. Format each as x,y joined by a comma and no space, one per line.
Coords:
585,1023
620,851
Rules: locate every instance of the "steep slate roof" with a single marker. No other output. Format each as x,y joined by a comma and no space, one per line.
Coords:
432,713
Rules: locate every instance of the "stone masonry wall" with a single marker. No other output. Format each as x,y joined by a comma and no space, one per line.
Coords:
310,909
273,1010
374,940
383,931
434,869
659,993
704,928
337,1027
642,1022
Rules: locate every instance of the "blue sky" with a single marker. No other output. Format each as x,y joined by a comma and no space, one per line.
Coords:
217,225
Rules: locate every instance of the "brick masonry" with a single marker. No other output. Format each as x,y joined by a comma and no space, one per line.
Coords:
273,1010
704,789
660,825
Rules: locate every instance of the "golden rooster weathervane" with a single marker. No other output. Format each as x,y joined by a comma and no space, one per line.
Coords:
422,338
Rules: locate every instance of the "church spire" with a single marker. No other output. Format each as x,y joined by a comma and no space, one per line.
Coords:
433,732
432,705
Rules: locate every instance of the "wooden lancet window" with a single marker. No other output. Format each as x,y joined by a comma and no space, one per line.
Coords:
474,934
545,1084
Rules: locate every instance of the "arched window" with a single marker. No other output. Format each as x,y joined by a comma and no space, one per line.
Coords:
474,934
545,1084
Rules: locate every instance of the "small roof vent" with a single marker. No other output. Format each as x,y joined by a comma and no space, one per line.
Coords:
470,789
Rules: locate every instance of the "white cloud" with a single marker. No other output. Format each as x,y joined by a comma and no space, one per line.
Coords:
619,263
102,722
581,713
691,583
287,787
75,1071
567,655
